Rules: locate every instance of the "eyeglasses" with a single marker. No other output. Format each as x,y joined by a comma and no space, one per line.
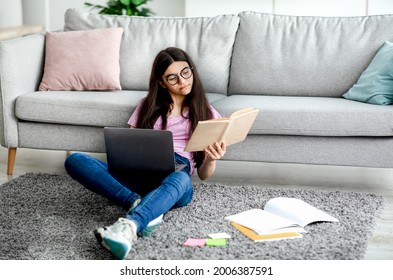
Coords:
185,73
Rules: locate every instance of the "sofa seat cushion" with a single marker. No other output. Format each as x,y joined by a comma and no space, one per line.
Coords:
312,116
87,108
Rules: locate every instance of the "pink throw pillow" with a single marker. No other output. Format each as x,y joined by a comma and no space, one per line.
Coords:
82,60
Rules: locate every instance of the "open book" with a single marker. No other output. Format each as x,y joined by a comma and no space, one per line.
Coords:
281,214
229,130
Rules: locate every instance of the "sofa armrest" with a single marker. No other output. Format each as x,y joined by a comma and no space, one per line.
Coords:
21,69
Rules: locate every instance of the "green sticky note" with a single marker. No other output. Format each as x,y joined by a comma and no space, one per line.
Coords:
216,242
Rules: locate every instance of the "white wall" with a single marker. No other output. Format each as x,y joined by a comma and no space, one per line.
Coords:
161,8
321,7
10,13
34,12
196,8
168,8
378,7
290,7
50,13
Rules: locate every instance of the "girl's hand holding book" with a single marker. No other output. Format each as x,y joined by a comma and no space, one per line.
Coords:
215,151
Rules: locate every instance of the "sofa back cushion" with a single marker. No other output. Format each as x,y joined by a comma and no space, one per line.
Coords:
68,66
208,40
309,56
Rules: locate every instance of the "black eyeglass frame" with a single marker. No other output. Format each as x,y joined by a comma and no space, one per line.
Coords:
177,76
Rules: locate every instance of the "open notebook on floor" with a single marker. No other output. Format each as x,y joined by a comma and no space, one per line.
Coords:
140,152
280,215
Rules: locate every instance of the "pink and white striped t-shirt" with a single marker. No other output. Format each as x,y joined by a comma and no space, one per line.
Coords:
179,126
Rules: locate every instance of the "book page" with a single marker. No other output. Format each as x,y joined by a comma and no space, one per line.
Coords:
241,112
297,211
230,130
206,133
240,126
263,222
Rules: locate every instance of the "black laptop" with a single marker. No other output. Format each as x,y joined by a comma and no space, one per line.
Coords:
145,155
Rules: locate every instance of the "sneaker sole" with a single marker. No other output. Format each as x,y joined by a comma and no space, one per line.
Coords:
100,239
117,250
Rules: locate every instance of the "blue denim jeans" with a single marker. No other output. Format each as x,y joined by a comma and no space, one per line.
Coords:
174,191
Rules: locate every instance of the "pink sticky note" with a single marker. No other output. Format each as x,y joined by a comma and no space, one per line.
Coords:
195,242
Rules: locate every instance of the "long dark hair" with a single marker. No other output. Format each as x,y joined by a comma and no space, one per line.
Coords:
158,101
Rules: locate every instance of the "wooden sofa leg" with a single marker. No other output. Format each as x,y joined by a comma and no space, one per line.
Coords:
11,160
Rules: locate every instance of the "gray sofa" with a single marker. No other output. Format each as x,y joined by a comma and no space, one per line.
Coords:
293,69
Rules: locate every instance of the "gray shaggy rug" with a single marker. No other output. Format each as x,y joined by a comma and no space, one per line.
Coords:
45,216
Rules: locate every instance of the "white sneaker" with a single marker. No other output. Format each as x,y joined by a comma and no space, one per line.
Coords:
118,238
152,226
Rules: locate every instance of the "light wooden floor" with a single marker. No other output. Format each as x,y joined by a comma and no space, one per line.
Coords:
241,173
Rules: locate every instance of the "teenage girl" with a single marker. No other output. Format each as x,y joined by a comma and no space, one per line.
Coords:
176,101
